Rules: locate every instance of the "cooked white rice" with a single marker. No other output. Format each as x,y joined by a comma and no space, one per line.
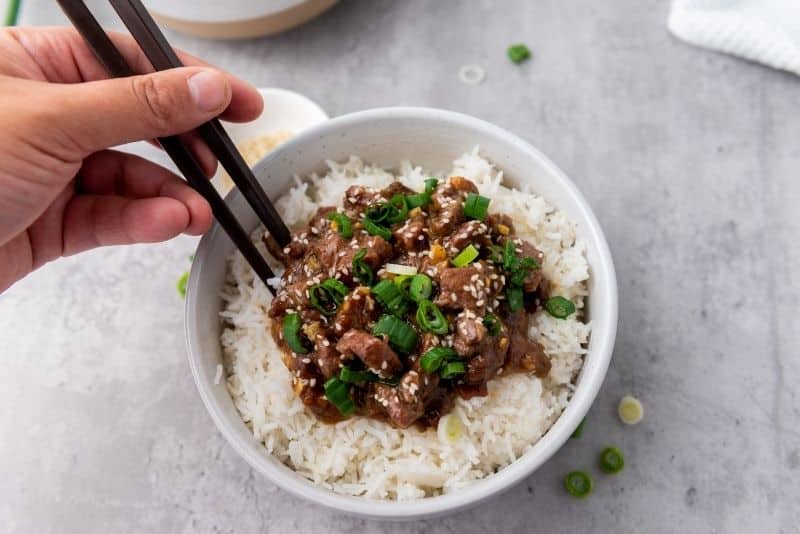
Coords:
366,457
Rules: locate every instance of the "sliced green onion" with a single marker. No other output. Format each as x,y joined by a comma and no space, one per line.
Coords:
181,285
578,484
432,360
422,199
453,369
476,206
579,430
356,377
492,324
338,394
418,200
496,254
396,268
400,209
430,318
376,229
509,255
341,223
522,270
401,336
466,256
361,270
518,53
420,288
611,460
327,296
390,381
378,213
630,410
559,307
391,297
515,298
291,333
403,281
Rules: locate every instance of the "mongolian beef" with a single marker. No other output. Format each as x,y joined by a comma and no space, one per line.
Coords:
395,304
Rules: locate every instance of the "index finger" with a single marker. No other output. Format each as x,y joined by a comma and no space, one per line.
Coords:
47,47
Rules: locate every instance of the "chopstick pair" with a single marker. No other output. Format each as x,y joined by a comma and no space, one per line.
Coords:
161,55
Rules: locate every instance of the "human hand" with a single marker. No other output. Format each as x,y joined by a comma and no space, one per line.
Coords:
61,190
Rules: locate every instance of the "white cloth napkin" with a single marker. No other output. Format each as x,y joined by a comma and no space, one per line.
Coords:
767,31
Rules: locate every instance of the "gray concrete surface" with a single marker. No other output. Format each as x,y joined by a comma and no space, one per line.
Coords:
692,163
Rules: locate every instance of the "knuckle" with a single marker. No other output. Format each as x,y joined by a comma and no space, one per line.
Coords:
157,98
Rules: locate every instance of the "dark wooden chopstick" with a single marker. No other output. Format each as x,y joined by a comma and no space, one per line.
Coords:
116,66
163,57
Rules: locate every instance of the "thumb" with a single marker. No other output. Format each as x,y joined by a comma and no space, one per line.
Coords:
97,115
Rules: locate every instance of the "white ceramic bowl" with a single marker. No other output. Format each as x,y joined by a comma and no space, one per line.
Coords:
431,138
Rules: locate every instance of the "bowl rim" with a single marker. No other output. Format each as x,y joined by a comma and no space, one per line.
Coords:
603,272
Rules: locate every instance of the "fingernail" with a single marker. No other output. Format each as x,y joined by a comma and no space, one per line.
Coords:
208,89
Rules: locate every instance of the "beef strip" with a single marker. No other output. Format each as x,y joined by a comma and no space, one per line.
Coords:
468,288
446,208
535,277
524,353
469,334
374,352
357,311
411,235
395,188
326,357
358,197
403,403
470,232
500,223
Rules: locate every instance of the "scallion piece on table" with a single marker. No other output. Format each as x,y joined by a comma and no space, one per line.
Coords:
518,53
401,336
630,410
327,296
181,285
578,484
492,324
559,307
361,270
373,228
338,394
514,296
476,206
453,369
356,377
292,325
611,460
433,359
391,297
431,318
466,256
420,287
341,223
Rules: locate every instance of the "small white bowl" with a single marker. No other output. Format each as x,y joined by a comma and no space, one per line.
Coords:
431,138
284,111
